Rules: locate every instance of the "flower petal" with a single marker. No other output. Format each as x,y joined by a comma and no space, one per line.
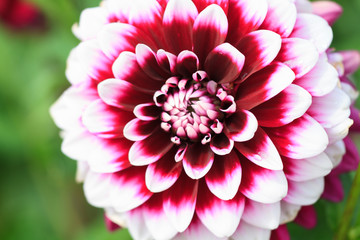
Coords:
162,174
187,63
104,120
321,80
90,23
156,220
263,85
127,68
224,177
230,60
145,151
299,54
314,29
198,160
117,37
220,217
122,94
285,107
262,215
328,10
179,202
248,231
102,155
127,185
241,126
135,222
261,184
259,48
261,151
178,20
280,17
210,29
137,130
305,192
331,109
351,61
221,145
245,16
302,138
308,168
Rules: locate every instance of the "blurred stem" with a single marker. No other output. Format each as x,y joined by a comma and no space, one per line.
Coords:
343,229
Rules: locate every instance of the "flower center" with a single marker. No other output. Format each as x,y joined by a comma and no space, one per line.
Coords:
193,109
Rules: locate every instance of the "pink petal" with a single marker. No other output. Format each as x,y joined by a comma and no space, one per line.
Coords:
260,49
351,61
110,225
302,138
221,145
127,68
197,230
241,126
90,63
136,224
220,217
306,192
178,20
156,220
122,94
179,202
90,23
248,231
148,62
308,168
333,190
224,177
245,16
285,107
307,217
102,155
147,111
263,85
261,151
115,38
314,29
187,63
299,54
67,110
202,4
145,151
162,174
321,80
145,16
262,215
127,185
210,29
261,184
230,60
281,233
198,160
350,161
104,120
328,10
137,130
331,109
280,17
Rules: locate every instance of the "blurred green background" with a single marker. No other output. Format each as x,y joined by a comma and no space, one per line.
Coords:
39,198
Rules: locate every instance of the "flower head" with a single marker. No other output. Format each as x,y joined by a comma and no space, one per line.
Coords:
202,119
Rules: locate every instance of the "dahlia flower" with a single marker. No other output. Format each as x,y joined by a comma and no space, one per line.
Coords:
202,119
20,15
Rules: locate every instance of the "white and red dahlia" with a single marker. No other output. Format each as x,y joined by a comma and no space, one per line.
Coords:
203,119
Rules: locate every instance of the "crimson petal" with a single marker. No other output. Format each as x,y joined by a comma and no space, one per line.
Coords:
220,217
224,177
179,202
145,151
198,160
137,130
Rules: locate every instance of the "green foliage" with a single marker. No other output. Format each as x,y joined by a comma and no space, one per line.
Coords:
39,197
